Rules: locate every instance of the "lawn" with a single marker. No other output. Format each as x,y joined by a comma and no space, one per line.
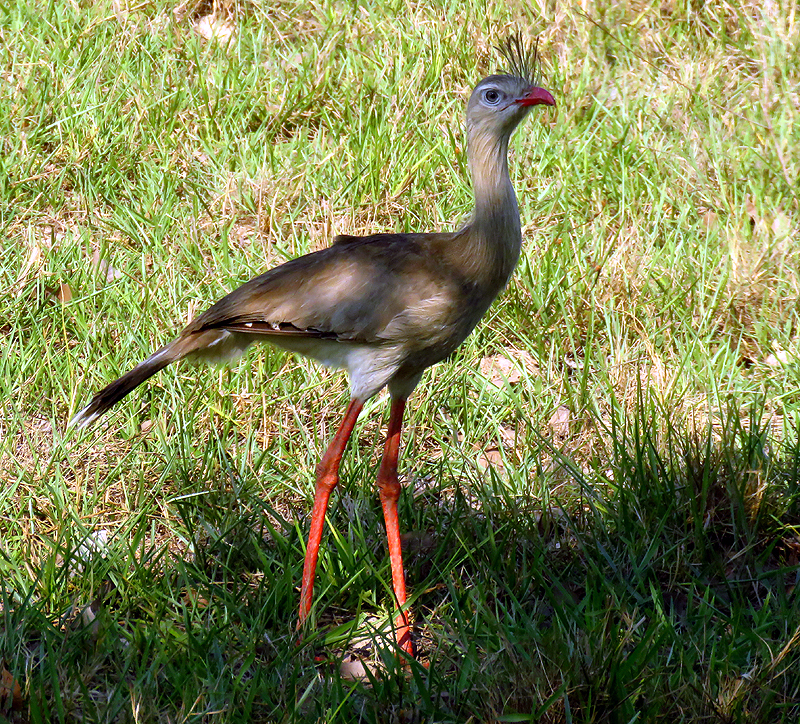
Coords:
601,499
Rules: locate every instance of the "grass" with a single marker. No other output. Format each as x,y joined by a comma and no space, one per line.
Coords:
602,485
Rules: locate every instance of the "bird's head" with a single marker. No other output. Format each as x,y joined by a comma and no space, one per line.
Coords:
501,101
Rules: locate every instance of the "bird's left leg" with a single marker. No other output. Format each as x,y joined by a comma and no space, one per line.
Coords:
390,493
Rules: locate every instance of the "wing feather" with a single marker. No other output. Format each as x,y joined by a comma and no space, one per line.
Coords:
364,290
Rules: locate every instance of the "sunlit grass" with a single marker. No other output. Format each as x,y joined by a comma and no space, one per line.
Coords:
602,484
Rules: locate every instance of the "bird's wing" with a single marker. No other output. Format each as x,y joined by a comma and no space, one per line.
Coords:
362,289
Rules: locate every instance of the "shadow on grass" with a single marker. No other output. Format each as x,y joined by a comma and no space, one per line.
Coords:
663,587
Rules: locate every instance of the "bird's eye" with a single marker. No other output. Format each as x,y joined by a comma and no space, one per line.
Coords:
491,96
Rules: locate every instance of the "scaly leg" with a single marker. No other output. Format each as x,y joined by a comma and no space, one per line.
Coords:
327,478
390,493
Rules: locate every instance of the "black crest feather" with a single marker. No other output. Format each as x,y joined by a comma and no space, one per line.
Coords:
522,60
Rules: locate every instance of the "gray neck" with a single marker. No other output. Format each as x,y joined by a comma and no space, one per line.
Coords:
495,234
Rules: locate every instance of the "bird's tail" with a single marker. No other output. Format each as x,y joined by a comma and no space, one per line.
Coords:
109,396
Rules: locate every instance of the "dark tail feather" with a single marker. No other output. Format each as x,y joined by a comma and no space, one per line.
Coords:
109,396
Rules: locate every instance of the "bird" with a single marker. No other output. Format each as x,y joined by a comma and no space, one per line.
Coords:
384,307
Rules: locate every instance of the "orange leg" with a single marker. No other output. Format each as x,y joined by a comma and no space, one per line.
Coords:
327,478
390,493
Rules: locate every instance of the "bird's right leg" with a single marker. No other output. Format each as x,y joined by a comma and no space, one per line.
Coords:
327,478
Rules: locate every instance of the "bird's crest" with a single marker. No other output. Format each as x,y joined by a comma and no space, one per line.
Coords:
522,60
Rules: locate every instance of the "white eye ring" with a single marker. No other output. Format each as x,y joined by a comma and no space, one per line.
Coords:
491,96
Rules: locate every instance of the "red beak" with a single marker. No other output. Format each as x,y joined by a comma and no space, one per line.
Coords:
536,97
